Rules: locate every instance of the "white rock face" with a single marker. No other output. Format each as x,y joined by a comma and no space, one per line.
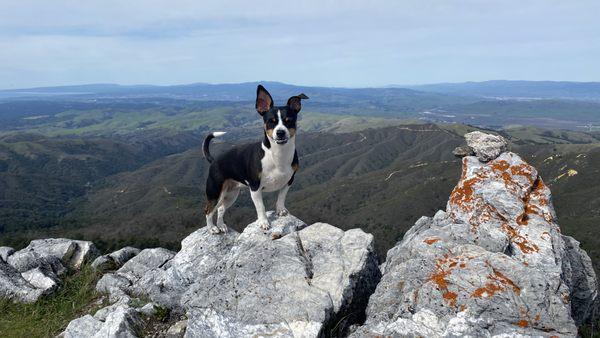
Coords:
177,330
13,286
43,252
114,260
118,321
36,269
41,279
493,265
231,285
486,146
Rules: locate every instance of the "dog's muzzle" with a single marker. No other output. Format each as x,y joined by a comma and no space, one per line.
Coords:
280,137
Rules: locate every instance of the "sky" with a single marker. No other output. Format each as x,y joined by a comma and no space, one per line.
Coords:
325,43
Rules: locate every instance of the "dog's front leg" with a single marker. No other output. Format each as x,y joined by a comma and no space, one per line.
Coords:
280,205
260,208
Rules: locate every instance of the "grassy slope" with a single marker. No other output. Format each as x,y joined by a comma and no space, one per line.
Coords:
50,316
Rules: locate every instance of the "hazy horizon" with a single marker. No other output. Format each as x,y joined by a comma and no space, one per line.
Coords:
287,83
313,43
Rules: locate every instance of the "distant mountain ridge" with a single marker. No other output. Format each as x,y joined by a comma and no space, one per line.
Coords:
245,90
517,89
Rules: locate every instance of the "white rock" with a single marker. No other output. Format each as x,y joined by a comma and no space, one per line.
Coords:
115,259
494,264
54,253
177,330
47,281
149,309
114,321
299,283
13,286
486,146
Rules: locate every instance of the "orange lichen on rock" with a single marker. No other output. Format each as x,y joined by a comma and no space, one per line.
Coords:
488,290
463,193
500,165
443,269
506,281
523,323
522,243
497,282
450,297
439,278
431,240
524,170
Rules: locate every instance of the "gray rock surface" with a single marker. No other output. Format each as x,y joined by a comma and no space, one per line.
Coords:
14,286
56,253
36,270
463,151
114,321
486,146
41,279
114,260
230,285
493,264
5,252
177,330
148,309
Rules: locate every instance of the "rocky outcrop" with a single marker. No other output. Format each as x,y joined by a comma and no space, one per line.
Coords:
36,270
114,260
117,320
493,264
293,280
486,146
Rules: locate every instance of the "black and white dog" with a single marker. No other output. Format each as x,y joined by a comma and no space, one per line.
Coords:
264,166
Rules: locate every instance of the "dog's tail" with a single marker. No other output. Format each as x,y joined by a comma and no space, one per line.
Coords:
206,144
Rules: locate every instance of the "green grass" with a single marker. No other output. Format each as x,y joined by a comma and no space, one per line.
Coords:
50,315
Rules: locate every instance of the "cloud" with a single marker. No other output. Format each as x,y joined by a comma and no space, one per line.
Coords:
353,43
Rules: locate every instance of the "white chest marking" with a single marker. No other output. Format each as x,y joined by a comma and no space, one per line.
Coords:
277,165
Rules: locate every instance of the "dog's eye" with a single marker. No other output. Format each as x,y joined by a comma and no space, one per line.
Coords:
287,119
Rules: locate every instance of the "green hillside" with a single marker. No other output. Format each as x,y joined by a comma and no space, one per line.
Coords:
381,180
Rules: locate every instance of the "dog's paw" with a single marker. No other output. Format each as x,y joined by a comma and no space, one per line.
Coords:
214,230
222,228
282,212
264,224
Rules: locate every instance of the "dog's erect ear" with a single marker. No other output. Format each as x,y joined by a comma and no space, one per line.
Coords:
264,101
294,102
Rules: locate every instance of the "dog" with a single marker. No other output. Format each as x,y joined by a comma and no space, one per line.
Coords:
266,166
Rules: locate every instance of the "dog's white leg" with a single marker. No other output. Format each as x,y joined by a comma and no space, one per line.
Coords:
227,201
280,205
260,208
209,222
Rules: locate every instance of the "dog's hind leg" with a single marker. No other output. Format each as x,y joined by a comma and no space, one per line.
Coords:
214,184
228,197
209,211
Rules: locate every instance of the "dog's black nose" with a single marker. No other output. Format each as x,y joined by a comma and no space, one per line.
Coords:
280,133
